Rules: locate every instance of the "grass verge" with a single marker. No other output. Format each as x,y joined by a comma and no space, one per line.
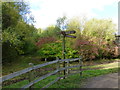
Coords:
73,81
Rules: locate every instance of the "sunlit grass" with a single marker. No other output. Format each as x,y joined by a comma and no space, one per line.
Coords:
73,81
105,66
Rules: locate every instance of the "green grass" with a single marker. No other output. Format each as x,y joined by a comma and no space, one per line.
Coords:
73,81
104,66
100,61
19,64
17,85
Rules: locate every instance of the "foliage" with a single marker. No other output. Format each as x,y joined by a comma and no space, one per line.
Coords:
50,50
45,40
10,15
19,35
9,54
86,48
74,24
103,29
29,48
13,12
61,22
51,31
90,50
55,50
17,28
94,36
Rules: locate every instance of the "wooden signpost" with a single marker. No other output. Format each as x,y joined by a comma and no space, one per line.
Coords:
71,36
66,34
70,32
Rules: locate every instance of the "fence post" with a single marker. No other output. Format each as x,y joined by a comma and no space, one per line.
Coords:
67,66
80,62
58,66
31,75
45,59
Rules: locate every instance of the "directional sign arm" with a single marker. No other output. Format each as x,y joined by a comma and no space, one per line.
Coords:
67,32
70,32
71,36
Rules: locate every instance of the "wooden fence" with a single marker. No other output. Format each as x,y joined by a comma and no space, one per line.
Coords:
58,61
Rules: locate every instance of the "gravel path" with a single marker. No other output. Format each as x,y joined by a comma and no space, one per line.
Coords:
104,81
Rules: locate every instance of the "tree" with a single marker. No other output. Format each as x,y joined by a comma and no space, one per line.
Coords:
74,24
16,30
96,39
51,31
102,29
61,22
10,15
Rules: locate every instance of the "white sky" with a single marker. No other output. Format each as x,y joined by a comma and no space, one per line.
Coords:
46,12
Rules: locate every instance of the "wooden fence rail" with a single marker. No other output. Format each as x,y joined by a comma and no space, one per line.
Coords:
25,71
58,69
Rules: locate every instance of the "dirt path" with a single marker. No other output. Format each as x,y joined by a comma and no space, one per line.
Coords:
103,81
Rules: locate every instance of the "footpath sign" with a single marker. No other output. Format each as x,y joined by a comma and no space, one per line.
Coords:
66,34
70,32
71,36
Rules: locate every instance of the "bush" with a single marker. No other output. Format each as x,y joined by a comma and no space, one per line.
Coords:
89,49
9,53
29,48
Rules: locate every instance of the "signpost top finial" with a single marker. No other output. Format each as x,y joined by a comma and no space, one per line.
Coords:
65,33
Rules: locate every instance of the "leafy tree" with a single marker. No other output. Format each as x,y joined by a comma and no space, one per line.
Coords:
61,22
101,32
16,30
101,29
39,30
77,24
18,35
10,15
74,24
51,31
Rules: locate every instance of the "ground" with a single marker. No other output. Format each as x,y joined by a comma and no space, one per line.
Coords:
103,81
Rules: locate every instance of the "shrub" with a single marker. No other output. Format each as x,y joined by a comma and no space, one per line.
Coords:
45,40
89,49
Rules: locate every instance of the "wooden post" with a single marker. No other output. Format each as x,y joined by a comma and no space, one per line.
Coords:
45,59
67,66
58,65
31,75
64,53
80,62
